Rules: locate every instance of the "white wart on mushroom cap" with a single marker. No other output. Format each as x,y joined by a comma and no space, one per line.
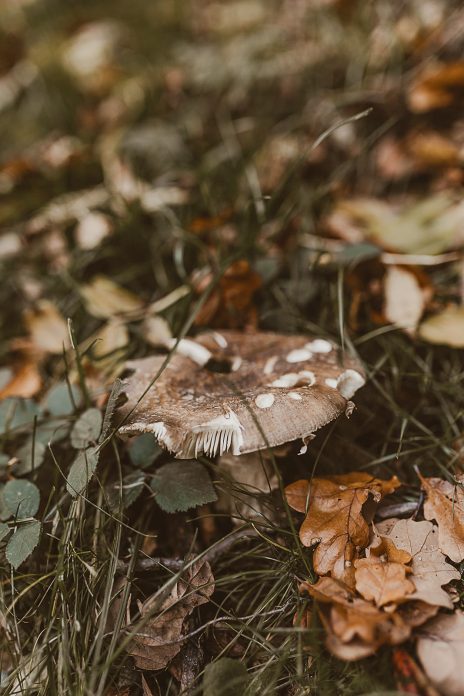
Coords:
279,389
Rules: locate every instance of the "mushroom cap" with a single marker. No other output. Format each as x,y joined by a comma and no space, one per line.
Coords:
279,389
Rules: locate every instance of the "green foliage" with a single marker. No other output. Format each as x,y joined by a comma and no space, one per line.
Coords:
31,455
144,450
60,402
110,407
23,543
86,429
226,676
82,470
4,530
132,487
16,414
21,498
181,485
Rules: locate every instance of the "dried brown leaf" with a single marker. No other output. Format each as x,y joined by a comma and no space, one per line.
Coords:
445,504
25,381
160,638
445,328
230,305
47,328
436,87
334,518
405,299
355,628
441,651
105,299
429,567
382,581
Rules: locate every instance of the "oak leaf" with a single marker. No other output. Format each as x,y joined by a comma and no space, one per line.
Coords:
382,581
441,651
334,517
445,504
356,628
160,637
429,567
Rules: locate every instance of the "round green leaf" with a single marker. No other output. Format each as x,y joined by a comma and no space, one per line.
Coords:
144,450
30,456
23,542
16,413
21,498
58,401
181,485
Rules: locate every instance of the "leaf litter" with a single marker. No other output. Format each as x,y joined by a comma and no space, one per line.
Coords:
136,211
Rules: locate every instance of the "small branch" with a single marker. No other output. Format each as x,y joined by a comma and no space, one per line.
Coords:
176,564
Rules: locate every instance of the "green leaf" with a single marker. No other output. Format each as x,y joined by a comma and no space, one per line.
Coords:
226,676
111,406
132,486
86,429
144,450
180,485
58,401
30,456
82,470
51,431
4,459
21,498
4,530
23,542
16,413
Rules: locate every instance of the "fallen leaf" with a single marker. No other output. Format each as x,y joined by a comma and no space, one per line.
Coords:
161,637
156,331
441,651
230,304
445,504
405,299
110,338
445,328
429,567
430,226
47,328
355,627
25,381
91,230
432,149
105,299
436,87
334,519
382,581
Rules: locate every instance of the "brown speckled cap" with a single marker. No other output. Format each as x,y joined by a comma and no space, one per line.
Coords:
270,389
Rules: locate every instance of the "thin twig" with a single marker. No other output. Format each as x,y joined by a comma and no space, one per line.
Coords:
176,564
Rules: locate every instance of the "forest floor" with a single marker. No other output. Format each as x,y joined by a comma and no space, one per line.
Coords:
167,168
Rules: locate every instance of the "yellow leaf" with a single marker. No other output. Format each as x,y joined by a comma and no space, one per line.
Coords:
105,299
47,328
446,328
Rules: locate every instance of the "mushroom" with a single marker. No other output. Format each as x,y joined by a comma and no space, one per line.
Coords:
238,393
